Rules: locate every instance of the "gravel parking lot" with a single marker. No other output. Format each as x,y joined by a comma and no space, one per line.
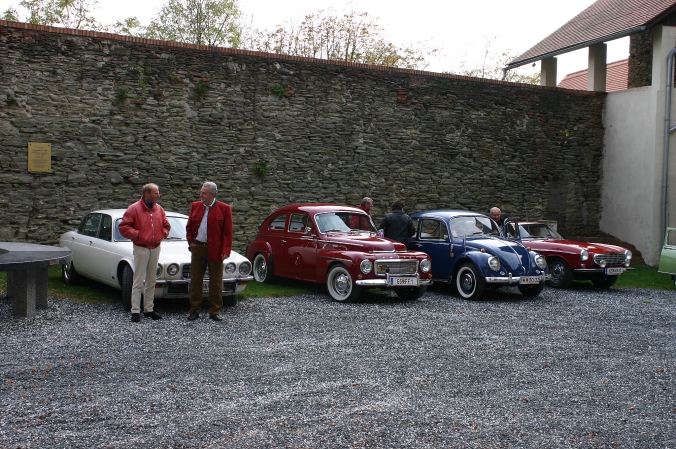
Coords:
569,369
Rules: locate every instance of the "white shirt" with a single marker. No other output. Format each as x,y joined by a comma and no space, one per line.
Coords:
202,230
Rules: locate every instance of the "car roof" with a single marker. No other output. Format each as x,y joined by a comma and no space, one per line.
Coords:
446,213
315,208
117,213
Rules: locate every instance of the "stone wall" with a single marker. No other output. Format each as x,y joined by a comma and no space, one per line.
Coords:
270,130
640,59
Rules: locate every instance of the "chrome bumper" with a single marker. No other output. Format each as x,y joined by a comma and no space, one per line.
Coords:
600,270
386,282
514,280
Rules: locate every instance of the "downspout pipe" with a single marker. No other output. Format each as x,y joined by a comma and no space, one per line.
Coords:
667,130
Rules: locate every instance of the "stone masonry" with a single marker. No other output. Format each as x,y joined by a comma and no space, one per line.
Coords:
640,59
272,130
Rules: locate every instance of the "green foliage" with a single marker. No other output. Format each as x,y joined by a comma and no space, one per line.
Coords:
121,94
66,13
278,90
142,71
351,37
205,22
11,15
645,276
262,168
201,88
130,26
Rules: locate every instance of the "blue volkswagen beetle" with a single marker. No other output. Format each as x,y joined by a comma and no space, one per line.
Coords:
468,251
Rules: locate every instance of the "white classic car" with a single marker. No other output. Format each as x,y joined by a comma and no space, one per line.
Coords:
102,254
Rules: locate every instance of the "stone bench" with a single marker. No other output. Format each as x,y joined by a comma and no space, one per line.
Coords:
27,267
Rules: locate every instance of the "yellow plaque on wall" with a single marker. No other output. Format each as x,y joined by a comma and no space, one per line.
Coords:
39,157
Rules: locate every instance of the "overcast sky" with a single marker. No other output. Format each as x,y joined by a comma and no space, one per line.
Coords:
458,27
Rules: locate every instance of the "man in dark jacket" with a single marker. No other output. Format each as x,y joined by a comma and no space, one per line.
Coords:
209,234
146,225
397,225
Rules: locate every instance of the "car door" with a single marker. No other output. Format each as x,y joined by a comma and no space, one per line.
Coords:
104,252
274,235
668,254
81,244
299,249
433,238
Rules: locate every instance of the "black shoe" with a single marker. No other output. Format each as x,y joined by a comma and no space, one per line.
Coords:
136,317
193,316
153,315
216,317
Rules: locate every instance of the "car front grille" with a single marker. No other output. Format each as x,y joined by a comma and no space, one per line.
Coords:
396,267
186,272
611,259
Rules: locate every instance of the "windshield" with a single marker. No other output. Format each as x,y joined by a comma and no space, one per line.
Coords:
344,222
538,231
469,226
177,231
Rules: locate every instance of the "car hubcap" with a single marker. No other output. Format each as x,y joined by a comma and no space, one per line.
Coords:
558,271
261,269
66,270
467,282
342,284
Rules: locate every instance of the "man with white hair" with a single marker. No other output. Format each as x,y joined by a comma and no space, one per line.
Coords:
496,215
209,234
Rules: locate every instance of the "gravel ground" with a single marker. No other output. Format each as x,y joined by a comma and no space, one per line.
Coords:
569,369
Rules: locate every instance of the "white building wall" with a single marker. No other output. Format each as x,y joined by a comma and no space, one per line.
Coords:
633,158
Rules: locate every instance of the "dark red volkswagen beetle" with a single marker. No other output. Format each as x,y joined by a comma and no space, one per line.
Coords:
337,245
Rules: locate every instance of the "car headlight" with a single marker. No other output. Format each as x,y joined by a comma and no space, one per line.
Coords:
540,261
628,258
494,263
244,268
230,268
158,272
366,266
584,255
172,269
425,266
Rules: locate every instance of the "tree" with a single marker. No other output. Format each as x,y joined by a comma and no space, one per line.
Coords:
66,13
489,61
352,37
206,22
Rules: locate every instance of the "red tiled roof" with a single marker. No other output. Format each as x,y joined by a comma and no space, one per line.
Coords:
605,20
616,77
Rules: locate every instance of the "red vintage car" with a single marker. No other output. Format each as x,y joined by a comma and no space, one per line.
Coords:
337,245
569,260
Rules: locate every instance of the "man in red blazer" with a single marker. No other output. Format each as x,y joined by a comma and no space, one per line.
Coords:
209,233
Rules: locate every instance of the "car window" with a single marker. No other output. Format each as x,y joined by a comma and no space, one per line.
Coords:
333,221
116,230
473,225
671,238
106,229
277,223
177,231
433,230
91,225
298,222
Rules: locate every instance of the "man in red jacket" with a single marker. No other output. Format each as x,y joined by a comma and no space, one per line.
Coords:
209,233
145,224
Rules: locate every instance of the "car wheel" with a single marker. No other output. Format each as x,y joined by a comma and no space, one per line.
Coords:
604,281
410,293
340,286
262,270
230,301
127,282
69,275
531,290
562,274
469,282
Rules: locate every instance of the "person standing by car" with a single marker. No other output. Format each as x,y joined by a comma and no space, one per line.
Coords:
209,234
496,215
397,225
366,205
146,225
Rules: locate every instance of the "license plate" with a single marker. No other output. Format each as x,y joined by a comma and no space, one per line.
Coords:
616,270
530,279
403,281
